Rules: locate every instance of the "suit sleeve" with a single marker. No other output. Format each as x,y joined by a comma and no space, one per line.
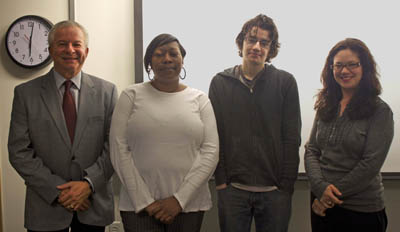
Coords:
23,157
101,171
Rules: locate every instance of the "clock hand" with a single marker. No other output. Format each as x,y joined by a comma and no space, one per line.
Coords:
27,39
30,39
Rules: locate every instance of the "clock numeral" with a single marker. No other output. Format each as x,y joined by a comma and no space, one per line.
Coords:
16,50
14,42
21,26
45,50
30,24
46,33
40,56
16,34
23,56
31,60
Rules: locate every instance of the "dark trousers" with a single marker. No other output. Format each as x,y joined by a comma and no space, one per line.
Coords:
77,226
339,219
142,222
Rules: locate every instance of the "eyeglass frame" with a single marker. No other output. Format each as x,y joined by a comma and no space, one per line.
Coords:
339,67
263,42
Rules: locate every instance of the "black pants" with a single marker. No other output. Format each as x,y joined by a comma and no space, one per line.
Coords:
142,222
77,226
338,219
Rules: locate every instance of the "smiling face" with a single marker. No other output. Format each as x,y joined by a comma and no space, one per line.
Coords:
348,75
68,51
256,46
167,62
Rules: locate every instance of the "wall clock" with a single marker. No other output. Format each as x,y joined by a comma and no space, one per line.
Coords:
26,41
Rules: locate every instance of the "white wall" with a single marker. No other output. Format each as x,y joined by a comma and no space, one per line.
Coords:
308,29
110,26
111,42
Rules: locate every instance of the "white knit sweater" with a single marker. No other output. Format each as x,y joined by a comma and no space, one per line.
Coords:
163,144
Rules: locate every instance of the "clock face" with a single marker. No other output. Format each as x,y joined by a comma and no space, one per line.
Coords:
26,41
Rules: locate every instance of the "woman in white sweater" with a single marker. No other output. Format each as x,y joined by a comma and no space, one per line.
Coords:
164,146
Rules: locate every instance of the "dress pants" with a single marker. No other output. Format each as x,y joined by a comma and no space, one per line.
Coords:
142,222
77,226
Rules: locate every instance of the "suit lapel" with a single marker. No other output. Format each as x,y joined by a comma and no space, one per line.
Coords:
86,104
51,99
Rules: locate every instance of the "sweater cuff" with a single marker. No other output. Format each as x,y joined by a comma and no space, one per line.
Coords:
182,203
220,177
320,189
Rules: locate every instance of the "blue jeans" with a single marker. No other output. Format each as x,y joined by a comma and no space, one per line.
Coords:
237,208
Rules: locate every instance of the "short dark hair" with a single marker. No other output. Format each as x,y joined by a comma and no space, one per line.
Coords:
363,103
158,41
263,22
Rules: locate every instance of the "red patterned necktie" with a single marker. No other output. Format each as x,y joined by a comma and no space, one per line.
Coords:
69,110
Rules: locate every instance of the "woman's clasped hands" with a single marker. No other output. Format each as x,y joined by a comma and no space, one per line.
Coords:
329,199
164,210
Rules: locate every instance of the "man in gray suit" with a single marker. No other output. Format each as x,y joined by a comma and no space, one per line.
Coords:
58,140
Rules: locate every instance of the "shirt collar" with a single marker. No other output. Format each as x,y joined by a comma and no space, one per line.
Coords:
251,83
60,79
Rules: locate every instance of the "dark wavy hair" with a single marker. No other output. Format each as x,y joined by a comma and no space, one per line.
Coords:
158,41
363,103
263,22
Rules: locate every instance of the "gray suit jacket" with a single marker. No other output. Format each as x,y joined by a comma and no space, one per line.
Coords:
41,151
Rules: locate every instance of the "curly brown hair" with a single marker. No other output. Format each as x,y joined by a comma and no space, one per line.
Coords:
363,103
263,22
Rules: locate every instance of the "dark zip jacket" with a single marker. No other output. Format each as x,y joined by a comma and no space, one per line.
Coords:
259,128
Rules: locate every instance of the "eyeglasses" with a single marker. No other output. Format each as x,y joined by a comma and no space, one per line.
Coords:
251,40
350,66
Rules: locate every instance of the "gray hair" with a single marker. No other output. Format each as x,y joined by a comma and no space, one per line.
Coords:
68,23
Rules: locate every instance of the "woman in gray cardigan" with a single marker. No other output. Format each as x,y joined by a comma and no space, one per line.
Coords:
350,139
